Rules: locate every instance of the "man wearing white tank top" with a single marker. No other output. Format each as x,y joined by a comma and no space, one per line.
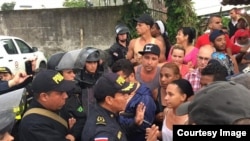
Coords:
143,28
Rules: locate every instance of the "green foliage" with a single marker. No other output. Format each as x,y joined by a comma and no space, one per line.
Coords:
180,13
74,3
130,11
8,6
225,21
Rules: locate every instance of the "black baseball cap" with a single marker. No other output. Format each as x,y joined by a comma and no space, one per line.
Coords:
111,83
145,18
151,48
50,80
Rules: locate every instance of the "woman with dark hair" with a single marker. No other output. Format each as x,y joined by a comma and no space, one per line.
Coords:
177,92
169,72
158,31
185,37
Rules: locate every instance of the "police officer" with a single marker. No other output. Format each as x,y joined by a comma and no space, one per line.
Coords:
42,121
88,62
120,48
19,80
73,108
111,93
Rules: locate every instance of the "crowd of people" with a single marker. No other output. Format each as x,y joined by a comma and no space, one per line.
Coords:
136,90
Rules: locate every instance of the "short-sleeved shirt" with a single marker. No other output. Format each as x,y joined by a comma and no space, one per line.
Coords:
204,40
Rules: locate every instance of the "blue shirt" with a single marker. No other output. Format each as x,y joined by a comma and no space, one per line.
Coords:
143,94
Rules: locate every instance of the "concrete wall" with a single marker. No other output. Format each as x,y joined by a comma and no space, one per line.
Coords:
64,29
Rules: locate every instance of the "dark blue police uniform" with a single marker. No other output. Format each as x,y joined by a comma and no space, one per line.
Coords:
102,124
41,128
4,85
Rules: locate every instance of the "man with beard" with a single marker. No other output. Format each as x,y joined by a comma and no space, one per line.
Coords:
120,48
218,41
149,71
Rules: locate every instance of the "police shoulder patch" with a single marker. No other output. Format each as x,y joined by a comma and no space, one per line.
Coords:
100,120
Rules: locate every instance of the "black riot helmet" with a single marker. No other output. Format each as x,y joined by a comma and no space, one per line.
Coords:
93,57
121,29
54,60
88,54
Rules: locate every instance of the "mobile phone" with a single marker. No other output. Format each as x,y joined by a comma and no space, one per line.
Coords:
28,67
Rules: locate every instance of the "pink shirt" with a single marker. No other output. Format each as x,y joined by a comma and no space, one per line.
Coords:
184,69
190,57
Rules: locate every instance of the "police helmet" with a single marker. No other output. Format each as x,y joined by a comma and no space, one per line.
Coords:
121,29
54,60
68,60
93,57
90,54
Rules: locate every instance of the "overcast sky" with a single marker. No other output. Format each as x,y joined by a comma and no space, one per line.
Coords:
201,6
37,3
204,7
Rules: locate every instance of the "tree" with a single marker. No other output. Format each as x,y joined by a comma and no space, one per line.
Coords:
75,3
180,13
8,6
130,11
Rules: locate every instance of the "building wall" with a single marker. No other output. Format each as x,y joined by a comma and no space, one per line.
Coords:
65,29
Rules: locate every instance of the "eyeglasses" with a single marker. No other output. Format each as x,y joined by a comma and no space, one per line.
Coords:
203,58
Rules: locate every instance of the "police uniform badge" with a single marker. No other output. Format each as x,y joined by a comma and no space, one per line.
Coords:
100,120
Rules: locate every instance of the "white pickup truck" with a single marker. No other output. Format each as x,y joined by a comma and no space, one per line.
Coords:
14,52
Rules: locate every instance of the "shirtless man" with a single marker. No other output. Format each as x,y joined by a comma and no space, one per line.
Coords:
143,28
